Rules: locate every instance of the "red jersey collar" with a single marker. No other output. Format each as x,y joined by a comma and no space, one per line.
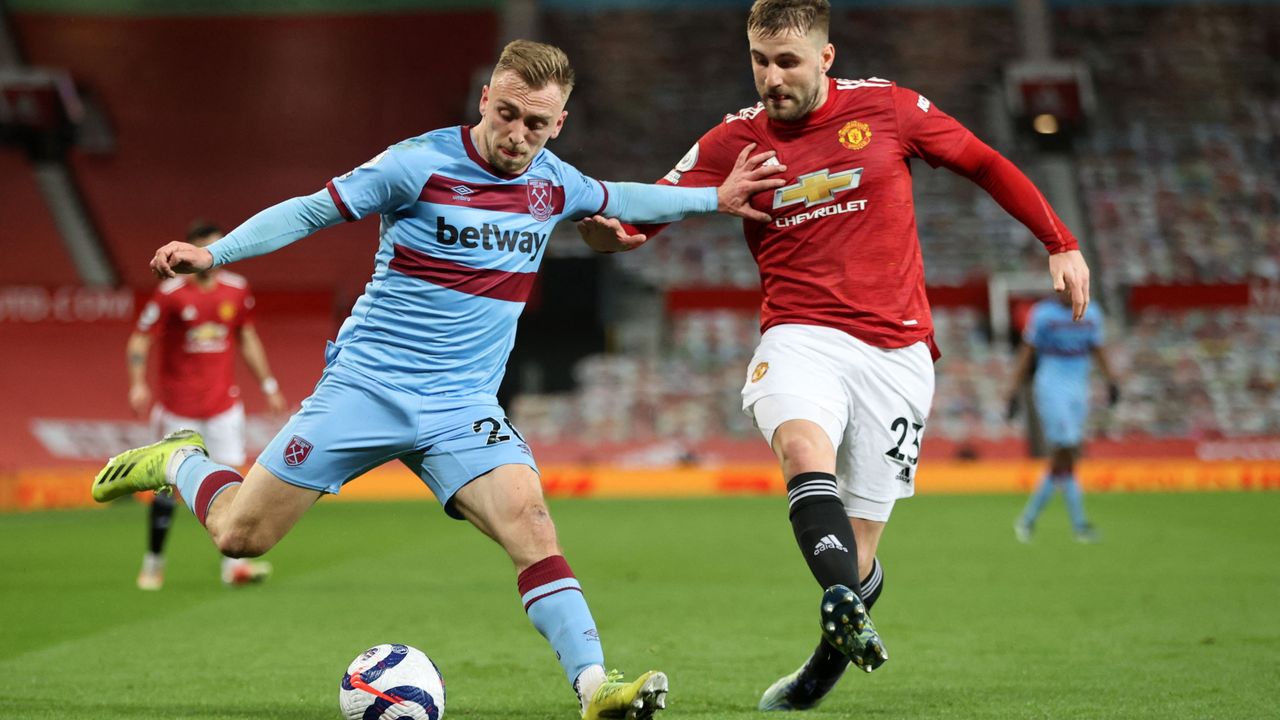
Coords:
484,164
815,116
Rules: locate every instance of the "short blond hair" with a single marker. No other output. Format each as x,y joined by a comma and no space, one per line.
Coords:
771,18
537,64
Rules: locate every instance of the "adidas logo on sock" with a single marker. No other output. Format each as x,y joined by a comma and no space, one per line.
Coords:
830,542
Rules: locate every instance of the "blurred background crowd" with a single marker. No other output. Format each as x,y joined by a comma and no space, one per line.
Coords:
1165,161
1174,183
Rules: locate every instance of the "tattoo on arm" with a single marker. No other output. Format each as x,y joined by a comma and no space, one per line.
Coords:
137,358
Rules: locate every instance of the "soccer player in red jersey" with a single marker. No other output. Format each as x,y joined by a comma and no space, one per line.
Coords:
197,319
842,381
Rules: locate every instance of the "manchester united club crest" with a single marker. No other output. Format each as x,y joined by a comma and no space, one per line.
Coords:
297,451
758,373
226,311
855,135
541,203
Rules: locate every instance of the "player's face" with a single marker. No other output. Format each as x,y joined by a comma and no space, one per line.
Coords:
517,121
791,72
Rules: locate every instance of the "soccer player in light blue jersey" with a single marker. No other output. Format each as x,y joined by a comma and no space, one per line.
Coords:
1063,352
465,215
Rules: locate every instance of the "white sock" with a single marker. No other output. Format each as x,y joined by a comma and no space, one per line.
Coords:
175,461
586,684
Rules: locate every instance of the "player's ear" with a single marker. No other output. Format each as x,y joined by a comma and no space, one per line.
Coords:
828,56
555,131
484,99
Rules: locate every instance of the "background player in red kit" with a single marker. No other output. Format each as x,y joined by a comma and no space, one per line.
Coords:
842,382
197,319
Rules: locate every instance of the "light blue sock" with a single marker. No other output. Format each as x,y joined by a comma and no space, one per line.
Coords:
200,480
553,599
1075,502
1039,498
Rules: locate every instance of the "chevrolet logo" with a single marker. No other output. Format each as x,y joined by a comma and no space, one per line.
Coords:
816,188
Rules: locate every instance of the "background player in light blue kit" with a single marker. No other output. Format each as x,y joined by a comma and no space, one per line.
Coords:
466,213
1062,352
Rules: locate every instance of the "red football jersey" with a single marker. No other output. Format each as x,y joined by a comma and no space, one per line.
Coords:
197,332
842,249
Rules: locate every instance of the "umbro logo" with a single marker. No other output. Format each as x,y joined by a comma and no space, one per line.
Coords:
591,635
462,189
830,542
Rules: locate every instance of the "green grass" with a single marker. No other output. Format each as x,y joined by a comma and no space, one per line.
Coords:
1174,615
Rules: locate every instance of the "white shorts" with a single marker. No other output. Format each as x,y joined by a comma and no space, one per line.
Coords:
223,433
872,402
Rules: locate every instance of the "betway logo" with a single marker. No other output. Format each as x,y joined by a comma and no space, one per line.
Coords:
490,237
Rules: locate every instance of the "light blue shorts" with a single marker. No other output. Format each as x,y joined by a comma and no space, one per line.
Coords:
353,423
1062,415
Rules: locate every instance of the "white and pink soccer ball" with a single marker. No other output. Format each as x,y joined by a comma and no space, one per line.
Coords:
392,681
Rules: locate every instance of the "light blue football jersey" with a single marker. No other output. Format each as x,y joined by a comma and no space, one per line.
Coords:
460,244
1063,347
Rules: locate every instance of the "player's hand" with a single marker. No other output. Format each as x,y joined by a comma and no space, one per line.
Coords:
607,235
276,403
180,257
140,399
1113,394
1070,275
749,176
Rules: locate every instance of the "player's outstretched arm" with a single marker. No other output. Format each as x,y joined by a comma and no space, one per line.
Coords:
1070,275
269,230
1013,190
640,203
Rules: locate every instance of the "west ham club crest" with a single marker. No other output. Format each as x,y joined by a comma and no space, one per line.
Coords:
541,204
296,452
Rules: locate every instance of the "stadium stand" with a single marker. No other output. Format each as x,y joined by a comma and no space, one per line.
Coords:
42,260
1179,186
225,139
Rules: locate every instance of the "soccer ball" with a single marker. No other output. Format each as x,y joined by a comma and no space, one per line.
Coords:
392,681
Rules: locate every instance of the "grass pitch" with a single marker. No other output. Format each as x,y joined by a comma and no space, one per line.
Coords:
1173,615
